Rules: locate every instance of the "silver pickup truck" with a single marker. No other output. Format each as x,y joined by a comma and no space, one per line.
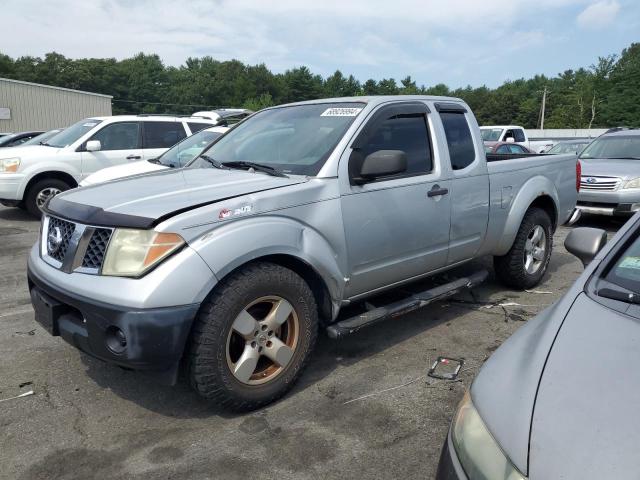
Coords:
231,265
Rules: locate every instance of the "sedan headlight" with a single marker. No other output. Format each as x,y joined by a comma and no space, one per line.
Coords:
478,452
635,183
9,165
131,253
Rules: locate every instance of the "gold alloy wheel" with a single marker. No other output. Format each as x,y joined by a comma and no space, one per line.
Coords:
262,340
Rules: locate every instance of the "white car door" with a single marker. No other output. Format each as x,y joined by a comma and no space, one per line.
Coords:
120,142
160,135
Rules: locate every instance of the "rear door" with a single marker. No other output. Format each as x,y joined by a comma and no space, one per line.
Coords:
469,183
158,136
120,142
396,227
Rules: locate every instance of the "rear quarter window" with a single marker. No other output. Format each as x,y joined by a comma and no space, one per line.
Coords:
459,140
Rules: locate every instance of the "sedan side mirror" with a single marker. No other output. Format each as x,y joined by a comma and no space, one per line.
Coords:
93,146
382,163
585,243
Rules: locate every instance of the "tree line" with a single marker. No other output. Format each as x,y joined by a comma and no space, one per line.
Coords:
605,94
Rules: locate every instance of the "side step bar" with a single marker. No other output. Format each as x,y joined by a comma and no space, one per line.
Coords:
417,300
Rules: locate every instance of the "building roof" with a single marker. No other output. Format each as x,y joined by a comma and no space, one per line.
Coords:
54,88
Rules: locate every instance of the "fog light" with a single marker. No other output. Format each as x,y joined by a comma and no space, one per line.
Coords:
116,340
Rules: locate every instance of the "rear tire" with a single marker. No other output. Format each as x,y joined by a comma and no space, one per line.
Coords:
526,262
260,314
40,191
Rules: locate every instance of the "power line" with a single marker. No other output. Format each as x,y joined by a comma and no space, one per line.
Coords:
166,104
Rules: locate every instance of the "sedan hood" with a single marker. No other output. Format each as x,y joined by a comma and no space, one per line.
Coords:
586,418
605,167
121,171
142,202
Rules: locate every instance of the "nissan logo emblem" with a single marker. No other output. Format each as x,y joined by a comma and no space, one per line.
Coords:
54,239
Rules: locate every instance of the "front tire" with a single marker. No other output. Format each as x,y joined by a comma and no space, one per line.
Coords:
252,337
526,262
38,194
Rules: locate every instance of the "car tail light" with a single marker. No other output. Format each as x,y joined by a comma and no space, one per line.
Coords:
578,175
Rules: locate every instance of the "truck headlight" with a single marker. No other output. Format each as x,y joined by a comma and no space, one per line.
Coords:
478,452
634,183
131,252
9,165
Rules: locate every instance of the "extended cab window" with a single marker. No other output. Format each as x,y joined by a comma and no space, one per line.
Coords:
406,132
119,136
162,134
459,141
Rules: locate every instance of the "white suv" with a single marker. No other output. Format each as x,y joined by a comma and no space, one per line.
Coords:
30,175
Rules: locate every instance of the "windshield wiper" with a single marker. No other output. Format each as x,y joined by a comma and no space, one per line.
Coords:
623,158
256,166
213,162
46,144
620,295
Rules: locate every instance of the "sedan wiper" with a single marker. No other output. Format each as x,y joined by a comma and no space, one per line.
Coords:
256,166
214,162
620,295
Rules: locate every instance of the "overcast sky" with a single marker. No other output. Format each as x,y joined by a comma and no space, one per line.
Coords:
456,42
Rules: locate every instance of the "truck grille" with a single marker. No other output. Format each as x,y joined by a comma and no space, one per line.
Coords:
96,249
58,236
599,184
70,246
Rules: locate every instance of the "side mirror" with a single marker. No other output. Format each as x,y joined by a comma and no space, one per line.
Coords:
93,146
383,163
585,243
510,140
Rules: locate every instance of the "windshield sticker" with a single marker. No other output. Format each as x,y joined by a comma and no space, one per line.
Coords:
631,262
226,213
341,112
89,124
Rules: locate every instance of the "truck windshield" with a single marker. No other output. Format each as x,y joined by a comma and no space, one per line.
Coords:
490,134
618,147
188,149
73,133
297,139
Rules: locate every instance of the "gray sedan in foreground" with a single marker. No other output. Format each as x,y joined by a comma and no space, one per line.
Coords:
560,398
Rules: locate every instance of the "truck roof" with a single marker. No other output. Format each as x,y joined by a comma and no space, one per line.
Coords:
376,99
502,126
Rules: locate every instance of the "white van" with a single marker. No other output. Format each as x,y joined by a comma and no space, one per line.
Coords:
30,175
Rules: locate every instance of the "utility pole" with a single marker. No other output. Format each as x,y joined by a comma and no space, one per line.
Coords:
544,102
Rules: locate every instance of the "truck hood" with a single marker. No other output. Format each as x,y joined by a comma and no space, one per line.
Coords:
585,423
144,201
606,167
121,171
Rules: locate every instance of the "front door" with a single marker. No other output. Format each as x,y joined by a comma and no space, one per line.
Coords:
119,143
396,227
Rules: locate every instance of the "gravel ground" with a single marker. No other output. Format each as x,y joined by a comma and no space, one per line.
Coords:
87,419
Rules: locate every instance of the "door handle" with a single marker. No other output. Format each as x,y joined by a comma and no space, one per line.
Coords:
134,157
436,191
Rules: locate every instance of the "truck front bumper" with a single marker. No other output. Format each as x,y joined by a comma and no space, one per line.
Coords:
151,339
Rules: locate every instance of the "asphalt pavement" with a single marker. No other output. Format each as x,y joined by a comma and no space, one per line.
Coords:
364,408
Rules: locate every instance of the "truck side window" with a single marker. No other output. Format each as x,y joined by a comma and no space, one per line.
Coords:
119,136
406,132
519,135
162,134
456,129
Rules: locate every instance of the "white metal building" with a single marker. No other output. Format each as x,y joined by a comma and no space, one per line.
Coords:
30,106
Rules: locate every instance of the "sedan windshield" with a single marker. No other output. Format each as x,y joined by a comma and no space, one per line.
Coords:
188,149
626,270
42,138
618,147
490,134
297,139
73,133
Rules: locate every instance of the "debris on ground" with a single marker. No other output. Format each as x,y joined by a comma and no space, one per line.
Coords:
446,368
30,332
540,292
25,394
